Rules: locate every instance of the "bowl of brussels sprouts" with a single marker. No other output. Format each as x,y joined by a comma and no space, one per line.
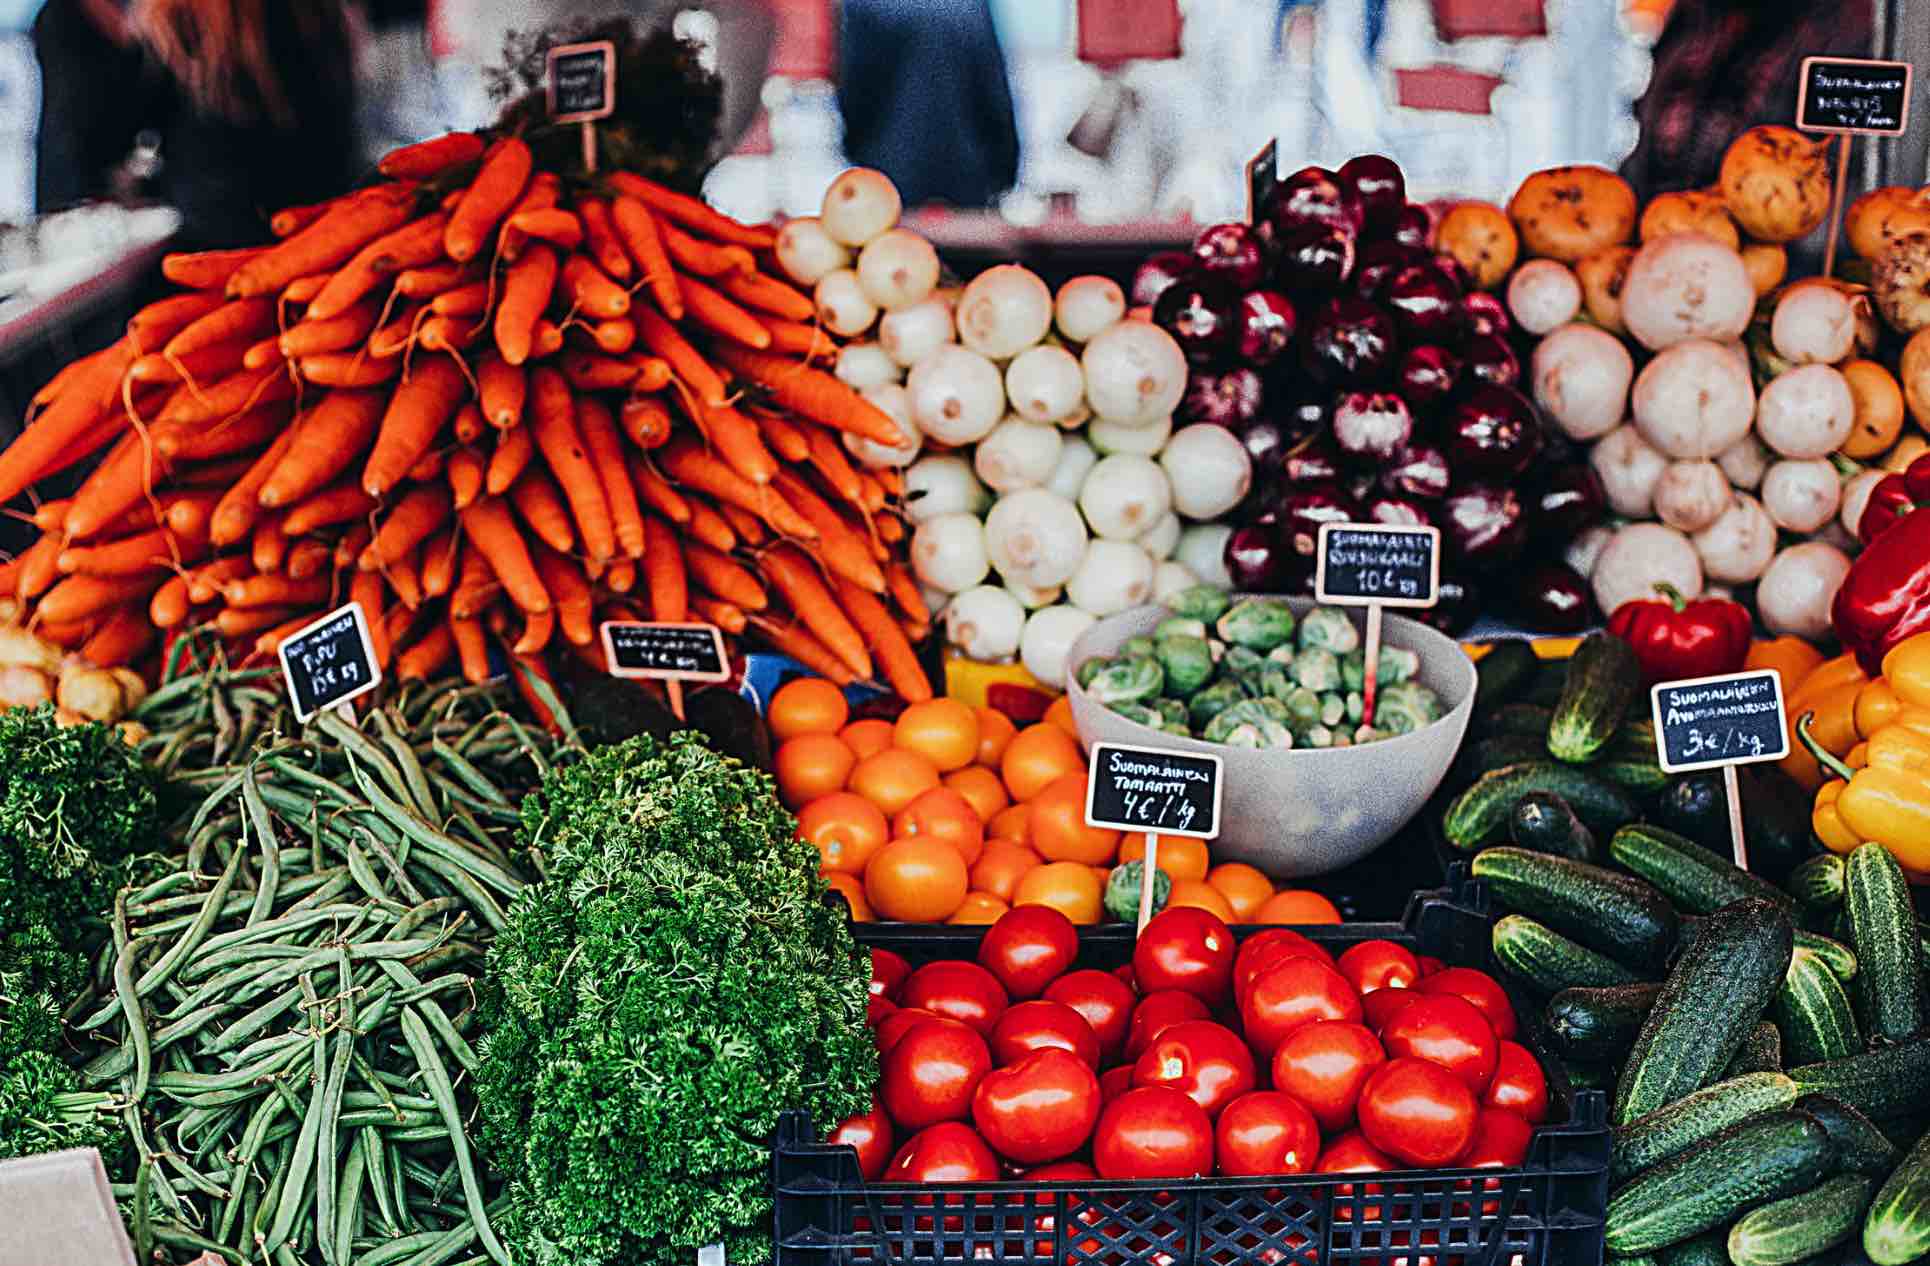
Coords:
1275,687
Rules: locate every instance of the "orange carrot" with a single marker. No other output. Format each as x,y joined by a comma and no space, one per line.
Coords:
341,369
431,280
711,310
303,290
206,582
896,655
500,388
768,294
151,328
307,559
131,555
476,585
694,256
591,289
736,439
792,575
463,301
691,212
23,462
526,292
790,639
417,244
275,591
180,444
745,524
206,270
354,539
233,394
368,588
513,451
400,619
405,577
416,413
600,238
469,425
569,593
449,334
656,490
808,342
553,419
646,421
472,649
125,475
189,515
427,159
169,608
123,638
813,393
330,241
541,195
425,508
844,553
428,467
685,461
783,439
638,231
605,448
426,657
905,593
499,182
537,500
50,516
724,576
37,567
560,228
204,364
490,529
399,334
235,516
614,337
725,615
268,545
291,220
548,340
663,571
439,562
587,371
709,527
80,597
323,443
465,472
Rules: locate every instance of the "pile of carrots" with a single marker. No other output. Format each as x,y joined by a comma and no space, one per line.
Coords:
484,401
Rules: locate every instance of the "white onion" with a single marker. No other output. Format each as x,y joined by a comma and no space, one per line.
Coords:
1088,306
862,365
911,334
807,252
1686,286
1035,537
1640,556
897,269
957,395
1813,324
985,622
1807,411
1801,496
1210,469
1114,576
1048,638
1017,454
1694,400
1628,468
1162,538
1032,599
1170,578
1856,498
843,307
859,205
1135,372
943,484
948,552
1745,462
1045,383
1123,496
1135,439
1691,495
1076,457
1202,548
1544,294
894,401
1738,546
1004,311
1581,378
1798,588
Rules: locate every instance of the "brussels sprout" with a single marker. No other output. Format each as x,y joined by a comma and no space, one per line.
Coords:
1122,891
1274,683
1090,669
1261,623
1368,734
1397,664
1139,714
1247,724
1276,709
1329,628
1218,648
1135,647
1180,625
1406,706
1210,701
1200,602
1186,661
1317,668
1242,661
1333,709
1353,670
1318,736
1173,713
1303,708
1129,680
1356,706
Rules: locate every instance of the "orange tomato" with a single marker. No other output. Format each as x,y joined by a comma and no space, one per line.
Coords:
892,779
979,909
1010,823
1180,856
995,730
981,787
806,705
1058,829
1246,888
1001,866
1038,755
943,730
915,880
866,737
943,814
1068,887
1297,905
848,887
846,830
811,765
1060,714
1198,893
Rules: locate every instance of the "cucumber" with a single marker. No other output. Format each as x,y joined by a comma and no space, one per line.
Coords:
1818,882
1603,909
1898,1228
1505,671
1772,1156
1786,1232
1482,755
1479,815
1524,720
1885,1082
1595,1023
1860,1147
1716,992
1639,774
1760,1052
1704,1250
1639,1259
1670,1131
1549,961
1883,932
1813,1012
1836,956
1545,823
1550,679
1694,878
1603,678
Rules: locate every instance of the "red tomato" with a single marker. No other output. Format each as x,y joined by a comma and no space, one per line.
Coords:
1205,1060
1266,1132
1263,949
1380,1006
1124,975
946,1152
893,1027
1429,964
1324,1065
1483,990
1377,964
1349,1153
1027,948
1448,1030
929,1076
1292,993
1103,999
876,1008
869,1132
1500,1141
1039,1109
1417,1112
1115,1082
1065,1171
1152,1132
1039,1025
888,971
1186,948
1519,1085
1060,1171
1157,1010
959,991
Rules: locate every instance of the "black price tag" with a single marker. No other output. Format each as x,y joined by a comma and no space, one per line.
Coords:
1709,722
330,661
582,81
1262,178
1153,789
668,652
1846,94
1360,563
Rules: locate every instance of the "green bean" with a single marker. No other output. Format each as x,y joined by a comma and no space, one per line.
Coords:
358,746
438,843
252,1138
196,934
200,1182
295,1185
131,1003
364,876
144,1209
398,1249
285,923
348,1205
234,1078
175,1235
325,1154
338,884
270,849
382,1117
468,775
160,888
413,781
393,861
422,1046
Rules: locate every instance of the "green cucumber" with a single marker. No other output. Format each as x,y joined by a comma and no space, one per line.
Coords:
1665,1132
1711,1249
1550,679
1603,909
1836,956
1603,678
1860,1147
1716,992
1883,932
1772,1156
1898,1228
1691,876
1813,1012
1549,961
1482,755
1544,822
1479,815
1639,774
1522,720
1819,881
1505,671
1638,1259
1789,1231
1887,1081
1760,1052
1596,1023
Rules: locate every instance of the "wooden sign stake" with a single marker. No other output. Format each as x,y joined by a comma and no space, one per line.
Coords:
1836,202
589,151
1733,790
1372,666
1146,877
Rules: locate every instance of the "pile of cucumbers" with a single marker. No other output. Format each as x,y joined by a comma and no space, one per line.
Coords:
1761,1033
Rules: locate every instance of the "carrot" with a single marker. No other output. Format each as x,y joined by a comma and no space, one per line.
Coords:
469,426
470,300
553,420
541,195
67,419
125,475
844,553
367,588
197,443
169,608
37,567
204,364
291,220
340,369
108,427
500,389
691,212
526,671
904,593
600,238
789,639
129,556
190,515
621,576
724,576
262,353
685,461
537,500
416,244
431,280
605,448
323,444
426,159
51,390
399,620
426,657
439,562
663,572
727,616
80,597
232,395
416,413
206,582
709,527
307,559
405,577
398,335
792,575
354,539
569,593
737,441
560,228
513,451
693,255
646,421
235,516
526,292
412,521
50,516
499,182
744,524
656,491
796,338
428,467
896,655
637,229
275,591
303,290
548,340
615,336
586,371
268,546
813,393
476,585
122,638
206,270
711,310
332,240
489,528
768,294
449,334
465,471
781,437
591,289
151,328
472,649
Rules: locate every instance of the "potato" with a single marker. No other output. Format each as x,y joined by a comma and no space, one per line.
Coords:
23,686
1479,235
1913,370
1602,274
1901,283
1767,264
93,693
1879,409
1689,211
18,646
1776,182
1568,212
1881,216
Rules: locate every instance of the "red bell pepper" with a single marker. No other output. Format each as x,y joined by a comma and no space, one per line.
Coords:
1886,595
1675,638
1893,498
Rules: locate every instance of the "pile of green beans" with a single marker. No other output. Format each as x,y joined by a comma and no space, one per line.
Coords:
285,1015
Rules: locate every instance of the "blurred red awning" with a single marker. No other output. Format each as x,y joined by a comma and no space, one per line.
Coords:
1445,88
806,46
1115,31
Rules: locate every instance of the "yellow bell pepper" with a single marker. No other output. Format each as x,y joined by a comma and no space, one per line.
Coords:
1876,706
1828,823
1859,756
1887,801
1897,748
1907,669
1833,727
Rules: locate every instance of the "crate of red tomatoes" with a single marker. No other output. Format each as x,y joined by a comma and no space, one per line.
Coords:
1193,1097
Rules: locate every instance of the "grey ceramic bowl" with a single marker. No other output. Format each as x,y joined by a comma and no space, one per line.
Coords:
1306,811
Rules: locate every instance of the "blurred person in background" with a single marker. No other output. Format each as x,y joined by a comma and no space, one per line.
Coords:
248,106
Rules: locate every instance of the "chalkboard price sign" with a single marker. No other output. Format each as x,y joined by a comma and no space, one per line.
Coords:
330,661
1262,178
1153,789
1708,722
1358,563
667,652
582,81
1845,94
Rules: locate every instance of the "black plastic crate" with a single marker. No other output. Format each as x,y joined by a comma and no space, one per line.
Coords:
1547,1212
